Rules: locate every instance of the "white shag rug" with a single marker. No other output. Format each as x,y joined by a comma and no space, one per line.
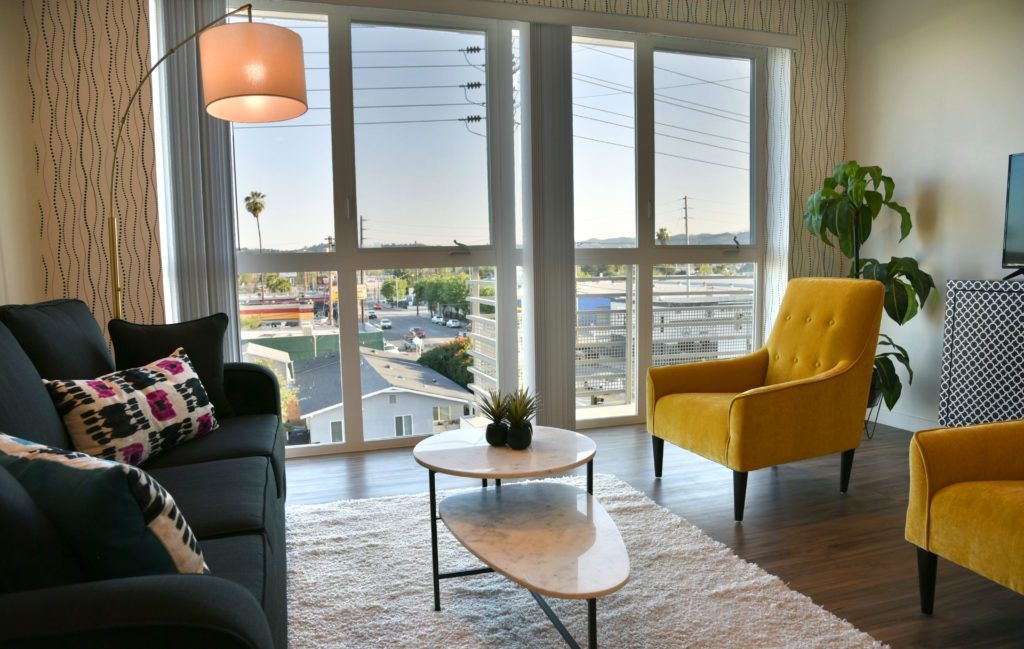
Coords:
359,576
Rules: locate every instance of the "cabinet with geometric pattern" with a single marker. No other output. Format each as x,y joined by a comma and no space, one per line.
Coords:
982,353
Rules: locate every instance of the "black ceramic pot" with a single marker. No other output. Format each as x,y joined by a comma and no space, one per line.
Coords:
519,437
497,434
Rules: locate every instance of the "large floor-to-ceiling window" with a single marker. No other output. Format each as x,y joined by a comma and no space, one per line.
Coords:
380,236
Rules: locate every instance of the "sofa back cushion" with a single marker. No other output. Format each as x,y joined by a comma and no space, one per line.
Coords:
33,554
61,337
25,406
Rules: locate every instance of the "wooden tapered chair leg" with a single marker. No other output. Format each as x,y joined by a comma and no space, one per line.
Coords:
845,467
739,493
659,454
927,565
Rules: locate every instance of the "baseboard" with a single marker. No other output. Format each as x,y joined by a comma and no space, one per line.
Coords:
902,420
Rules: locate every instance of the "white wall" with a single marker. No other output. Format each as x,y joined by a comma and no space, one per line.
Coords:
379,416
20,251
935,95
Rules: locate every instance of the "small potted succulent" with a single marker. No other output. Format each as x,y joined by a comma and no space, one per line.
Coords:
520,408
495,406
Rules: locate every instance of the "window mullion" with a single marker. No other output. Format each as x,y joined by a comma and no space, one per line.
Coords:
645,216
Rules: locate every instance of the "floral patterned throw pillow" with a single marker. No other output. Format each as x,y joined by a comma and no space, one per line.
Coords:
132,415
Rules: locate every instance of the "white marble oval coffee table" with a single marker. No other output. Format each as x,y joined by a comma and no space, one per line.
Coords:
555,540
465,452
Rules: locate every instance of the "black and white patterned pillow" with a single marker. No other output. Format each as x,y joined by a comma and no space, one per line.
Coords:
132,415
115,518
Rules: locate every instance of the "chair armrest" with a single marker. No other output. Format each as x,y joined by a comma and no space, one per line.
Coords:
945,456
252,389
729,375
152,612
800,419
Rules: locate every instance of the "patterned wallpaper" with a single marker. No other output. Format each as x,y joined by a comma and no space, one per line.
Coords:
84,59
819,88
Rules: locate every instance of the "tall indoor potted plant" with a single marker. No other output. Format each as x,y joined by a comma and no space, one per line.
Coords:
843,211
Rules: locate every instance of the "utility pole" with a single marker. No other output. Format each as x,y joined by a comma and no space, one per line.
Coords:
330,287
362,303
686,217
686,226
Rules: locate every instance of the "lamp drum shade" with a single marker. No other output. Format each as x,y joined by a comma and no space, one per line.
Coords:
252,72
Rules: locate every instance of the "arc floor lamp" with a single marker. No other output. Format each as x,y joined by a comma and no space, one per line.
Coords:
251,72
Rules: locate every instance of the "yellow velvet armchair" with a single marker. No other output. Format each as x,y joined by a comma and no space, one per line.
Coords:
967,503
802,395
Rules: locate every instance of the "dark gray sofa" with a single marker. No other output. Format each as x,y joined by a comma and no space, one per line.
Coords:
230,485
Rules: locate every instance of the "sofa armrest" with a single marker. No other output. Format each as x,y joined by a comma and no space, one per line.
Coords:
729,375
252,389
945,456
152,612
796,420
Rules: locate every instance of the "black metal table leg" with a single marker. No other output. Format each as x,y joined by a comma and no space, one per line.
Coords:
497,482
484,483
592,623
433,541
590,477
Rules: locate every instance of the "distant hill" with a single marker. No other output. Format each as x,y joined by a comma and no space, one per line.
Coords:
702,239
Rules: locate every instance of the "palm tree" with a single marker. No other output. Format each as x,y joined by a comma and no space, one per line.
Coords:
255,203
662,236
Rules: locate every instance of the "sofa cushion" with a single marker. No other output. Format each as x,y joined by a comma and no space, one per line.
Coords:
61,337
249,561
225,497
26,410
203,340
240,558
244,436
117,520
980,525
135,414
34,555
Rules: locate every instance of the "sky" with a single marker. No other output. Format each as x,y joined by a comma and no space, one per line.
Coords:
421,165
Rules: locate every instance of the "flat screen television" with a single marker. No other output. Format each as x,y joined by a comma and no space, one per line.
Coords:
1013,234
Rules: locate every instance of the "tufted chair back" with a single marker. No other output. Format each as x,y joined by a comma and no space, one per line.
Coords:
823,322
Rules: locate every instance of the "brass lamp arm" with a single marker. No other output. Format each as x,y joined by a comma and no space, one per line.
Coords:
115,262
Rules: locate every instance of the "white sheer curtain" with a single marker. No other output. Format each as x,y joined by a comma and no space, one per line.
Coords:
197,207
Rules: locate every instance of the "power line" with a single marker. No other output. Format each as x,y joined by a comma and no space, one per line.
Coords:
665,124
396,67
670,102
664,98
663,153
472,84
657,67
455,103
674,137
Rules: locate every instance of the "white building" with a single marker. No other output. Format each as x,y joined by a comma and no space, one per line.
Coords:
401,398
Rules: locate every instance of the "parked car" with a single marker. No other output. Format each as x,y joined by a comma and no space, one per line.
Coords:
372,316
437,318
377,307
385,323
417,332
454,324
390,347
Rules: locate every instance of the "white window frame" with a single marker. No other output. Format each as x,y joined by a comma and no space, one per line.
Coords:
341,422
347,258
648,254
406,431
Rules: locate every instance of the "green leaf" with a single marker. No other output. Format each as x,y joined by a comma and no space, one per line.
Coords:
874,201
874,172
890,187
844,227
872,269
900,354
900,301
888,381
865,223
856,190
851,169
905,223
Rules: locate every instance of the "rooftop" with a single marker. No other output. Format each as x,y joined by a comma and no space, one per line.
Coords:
319,379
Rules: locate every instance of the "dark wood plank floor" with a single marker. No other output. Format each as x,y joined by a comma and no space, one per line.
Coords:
846,552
